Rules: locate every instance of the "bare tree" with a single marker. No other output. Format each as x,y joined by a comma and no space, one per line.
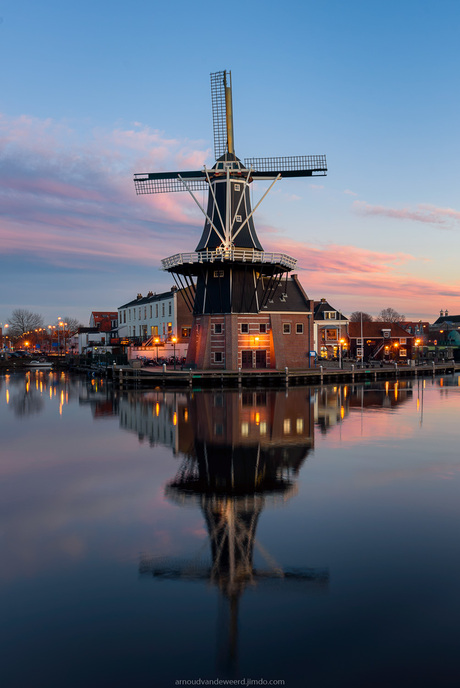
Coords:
356,317
390,315
22,321
72,325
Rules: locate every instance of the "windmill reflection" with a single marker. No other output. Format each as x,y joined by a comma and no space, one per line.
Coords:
247,450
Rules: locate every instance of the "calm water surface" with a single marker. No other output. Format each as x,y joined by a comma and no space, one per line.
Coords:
309,536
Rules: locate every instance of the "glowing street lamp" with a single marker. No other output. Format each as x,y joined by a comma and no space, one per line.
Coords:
174,340
157,341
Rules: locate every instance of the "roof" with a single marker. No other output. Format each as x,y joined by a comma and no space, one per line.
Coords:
447,319
324,306
151,298
289,296
373,330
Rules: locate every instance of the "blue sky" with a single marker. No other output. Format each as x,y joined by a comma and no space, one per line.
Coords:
93,92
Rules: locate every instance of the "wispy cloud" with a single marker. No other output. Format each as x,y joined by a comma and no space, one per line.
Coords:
428,214
355,276
62,196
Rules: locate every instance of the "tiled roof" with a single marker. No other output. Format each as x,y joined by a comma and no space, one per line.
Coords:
373,330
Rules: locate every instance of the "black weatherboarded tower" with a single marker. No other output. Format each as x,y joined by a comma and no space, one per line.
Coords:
232,280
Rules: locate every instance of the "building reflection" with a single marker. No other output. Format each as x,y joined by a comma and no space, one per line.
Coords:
333,404
239,452
26,392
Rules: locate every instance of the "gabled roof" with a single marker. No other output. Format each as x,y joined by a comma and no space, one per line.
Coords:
289,296
322,307
447,319
373,330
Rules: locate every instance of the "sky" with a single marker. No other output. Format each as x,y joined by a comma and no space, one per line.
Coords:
93,92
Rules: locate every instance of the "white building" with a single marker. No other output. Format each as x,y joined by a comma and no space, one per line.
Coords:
156,319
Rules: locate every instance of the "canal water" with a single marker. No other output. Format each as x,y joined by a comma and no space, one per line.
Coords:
307,537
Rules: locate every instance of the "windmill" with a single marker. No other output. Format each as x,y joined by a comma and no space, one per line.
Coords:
229,272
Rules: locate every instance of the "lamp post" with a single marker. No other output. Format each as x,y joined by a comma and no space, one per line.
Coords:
157,341
174,340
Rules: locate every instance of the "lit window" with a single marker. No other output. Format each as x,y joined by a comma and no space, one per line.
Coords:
329,315
218,273
287,426
245,429
263,428
299,425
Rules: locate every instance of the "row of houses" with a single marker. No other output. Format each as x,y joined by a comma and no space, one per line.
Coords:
290,330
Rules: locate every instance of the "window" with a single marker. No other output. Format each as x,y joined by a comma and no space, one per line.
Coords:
238,218
244,328
145,312
329,315
217,328
218,357
263,328
124,316
299,328
129,314
236,187
162,309
218,273
218,429
245,429
299,425
150,311
185,332
156,310
169,328
140,311
134,330
287,426
134,314
286,328
169,308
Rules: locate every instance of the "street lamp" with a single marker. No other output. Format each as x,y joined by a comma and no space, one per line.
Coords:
157,341
174,340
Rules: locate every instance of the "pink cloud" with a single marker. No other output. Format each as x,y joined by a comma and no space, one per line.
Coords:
425,213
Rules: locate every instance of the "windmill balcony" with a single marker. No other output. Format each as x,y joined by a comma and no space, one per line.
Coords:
239,255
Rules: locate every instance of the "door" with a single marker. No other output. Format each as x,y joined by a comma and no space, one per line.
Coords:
261,358
246,359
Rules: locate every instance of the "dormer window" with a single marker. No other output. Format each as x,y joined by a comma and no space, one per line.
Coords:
237,187
238,218
329,315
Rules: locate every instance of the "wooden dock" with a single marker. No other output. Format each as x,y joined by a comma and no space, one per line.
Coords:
128,377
